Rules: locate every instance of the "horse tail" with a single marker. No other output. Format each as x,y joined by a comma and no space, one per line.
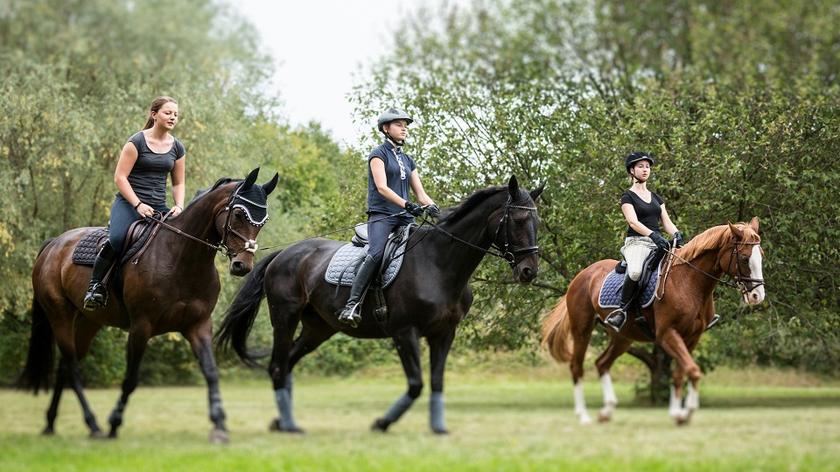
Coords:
36,374
239,318
555,332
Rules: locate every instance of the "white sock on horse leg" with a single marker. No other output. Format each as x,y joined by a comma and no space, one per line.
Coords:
580,403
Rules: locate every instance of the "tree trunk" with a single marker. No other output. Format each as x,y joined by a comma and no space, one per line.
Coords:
657,390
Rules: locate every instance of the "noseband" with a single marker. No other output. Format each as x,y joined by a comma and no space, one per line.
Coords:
506,250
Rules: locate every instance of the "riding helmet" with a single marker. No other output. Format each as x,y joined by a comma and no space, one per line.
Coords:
392,114
635,157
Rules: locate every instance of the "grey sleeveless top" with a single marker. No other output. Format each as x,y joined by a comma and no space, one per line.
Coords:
148,176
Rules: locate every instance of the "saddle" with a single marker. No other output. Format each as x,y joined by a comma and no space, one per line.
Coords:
610,293
137,239
349,257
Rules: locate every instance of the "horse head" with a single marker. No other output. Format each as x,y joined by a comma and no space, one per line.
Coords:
515,231
239,222
743,260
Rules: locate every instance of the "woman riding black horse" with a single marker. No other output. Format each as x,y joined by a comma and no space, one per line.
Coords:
390,174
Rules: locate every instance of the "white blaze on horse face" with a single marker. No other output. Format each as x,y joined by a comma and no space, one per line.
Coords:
756,295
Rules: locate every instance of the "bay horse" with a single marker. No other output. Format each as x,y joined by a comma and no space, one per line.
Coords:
679,315
429,297
173,287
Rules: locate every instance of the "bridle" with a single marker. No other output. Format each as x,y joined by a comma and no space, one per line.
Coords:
504,250
744,284
250,244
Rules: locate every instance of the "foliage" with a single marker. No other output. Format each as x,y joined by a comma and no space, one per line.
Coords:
737,100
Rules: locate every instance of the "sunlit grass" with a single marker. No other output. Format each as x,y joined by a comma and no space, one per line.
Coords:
499,421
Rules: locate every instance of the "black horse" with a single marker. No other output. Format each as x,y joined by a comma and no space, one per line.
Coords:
428,298
172,288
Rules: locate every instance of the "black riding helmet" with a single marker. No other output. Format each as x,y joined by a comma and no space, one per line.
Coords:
392,114
635,157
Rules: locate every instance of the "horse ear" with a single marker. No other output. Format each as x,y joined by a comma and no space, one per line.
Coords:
754,223
252,177
737,232
268,187
535,194
513,187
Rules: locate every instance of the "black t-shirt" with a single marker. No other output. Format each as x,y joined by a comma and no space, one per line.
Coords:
398,168
148,176
647,213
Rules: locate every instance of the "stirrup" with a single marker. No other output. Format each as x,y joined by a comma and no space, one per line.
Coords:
714,321
609,320
350,315
96,297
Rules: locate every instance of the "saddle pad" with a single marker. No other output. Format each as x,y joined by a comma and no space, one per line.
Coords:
348,259
610,294
88,247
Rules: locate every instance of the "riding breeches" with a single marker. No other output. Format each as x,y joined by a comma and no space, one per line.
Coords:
379,227
122,215
635,250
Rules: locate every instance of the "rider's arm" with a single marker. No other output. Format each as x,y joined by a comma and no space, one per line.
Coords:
128,156
633,220
178,178
417,187
667,224
377,170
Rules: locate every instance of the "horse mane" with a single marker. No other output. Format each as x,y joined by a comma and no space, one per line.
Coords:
202,192
478,197
713,238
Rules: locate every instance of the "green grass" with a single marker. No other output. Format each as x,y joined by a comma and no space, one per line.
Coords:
511,420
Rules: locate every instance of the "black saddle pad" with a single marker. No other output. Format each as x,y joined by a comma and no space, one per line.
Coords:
89,246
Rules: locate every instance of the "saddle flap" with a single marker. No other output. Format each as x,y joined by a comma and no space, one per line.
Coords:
360,238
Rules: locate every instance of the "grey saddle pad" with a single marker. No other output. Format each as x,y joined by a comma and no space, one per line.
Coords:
348,259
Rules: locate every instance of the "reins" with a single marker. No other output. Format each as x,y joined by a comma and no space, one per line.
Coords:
738,284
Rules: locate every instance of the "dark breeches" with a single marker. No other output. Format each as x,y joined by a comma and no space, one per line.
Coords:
122,215
378,230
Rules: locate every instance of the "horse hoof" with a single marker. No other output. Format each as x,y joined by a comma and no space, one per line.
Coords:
98,434
380,425
219,436
683,418
274,425
48,432
604,417
586,421
441,431
112,434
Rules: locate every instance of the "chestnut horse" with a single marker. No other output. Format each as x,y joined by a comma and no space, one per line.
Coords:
173,287
678,316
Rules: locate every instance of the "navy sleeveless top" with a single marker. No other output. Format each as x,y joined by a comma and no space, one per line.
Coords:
148,176
398,168
647,213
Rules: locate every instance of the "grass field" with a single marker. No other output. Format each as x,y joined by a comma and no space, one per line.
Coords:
499,421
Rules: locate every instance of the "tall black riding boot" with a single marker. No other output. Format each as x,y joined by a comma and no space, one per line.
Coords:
97,294
616,319
351,313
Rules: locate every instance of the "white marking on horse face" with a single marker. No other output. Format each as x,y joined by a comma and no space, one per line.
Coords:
756,295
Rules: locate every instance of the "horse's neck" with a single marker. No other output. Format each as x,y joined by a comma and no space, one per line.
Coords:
697,280
197,220
459,259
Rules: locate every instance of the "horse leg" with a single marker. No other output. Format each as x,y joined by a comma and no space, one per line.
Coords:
581,343
138,337
675,346
315,331
438,351
675,409
85,332
618,346
201,341
58,387
408,348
